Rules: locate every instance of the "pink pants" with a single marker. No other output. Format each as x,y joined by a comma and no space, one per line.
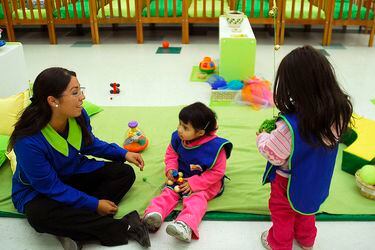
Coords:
287,224
194,206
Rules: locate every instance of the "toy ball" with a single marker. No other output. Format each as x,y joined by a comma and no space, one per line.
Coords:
165,44
176,189
367,174
207,65
235,85
268,126
135,140
169,182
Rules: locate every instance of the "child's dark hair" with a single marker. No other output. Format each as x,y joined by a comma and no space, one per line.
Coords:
200,117
306,85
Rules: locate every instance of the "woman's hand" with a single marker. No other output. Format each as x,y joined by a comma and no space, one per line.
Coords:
136,159
106,207
185,188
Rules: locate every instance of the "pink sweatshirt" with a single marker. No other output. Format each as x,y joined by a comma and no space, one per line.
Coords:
207,178
276,146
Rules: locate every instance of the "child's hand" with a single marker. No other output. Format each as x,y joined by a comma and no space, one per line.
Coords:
170,175
106,207
136,159
185,188
258,133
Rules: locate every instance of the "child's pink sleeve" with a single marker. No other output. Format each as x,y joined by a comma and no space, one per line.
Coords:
276,146
171,159
210,176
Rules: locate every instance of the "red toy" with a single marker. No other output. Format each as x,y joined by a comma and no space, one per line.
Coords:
115,88
165,44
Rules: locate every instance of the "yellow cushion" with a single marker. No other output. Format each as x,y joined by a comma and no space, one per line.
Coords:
10,109
13,160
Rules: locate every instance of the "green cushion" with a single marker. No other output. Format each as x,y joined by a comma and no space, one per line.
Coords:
115,9
1,12
248,3
306,10
161,8
3,148
217,11
91,108
28,14
345,11
71,10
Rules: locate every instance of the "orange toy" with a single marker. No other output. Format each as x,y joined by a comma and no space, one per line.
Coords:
256,93
135,140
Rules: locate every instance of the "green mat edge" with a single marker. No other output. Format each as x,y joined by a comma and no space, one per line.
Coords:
226,216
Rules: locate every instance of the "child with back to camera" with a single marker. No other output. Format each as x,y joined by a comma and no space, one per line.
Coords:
197,152
301,151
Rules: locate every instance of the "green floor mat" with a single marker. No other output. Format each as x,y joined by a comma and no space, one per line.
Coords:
244,197
197,76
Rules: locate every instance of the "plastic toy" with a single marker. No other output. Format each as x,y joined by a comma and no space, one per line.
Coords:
165,44
135,140
2,42
217,82
115,88
268,125
207,65
178,180
367,174
256,93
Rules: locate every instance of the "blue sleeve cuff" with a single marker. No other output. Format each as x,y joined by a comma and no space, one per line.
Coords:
92,203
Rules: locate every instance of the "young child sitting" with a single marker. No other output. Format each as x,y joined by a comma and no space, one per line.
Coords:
197,152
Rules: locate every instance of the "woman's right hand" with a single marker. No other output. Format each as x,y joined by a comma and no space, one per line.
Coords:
106,207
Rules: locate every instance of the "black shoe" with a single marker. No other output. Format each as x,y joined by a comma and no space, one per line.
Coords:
136,229
140,234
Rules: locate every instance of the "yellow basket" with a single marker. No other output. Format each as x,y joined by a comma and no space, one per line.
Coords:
366,190
223,95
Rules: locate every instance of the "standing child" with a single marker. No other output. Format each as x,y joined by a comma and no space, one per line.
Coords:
201,156
301,151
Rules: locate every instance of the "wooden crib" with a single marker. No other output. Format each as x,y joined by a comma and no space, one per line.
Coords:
116,12
76,12
258,12
305,12
166,12
32,12
353,13
6,20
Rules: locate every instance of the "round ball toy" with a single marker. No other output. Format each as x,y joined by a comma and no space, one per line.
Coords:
267,126
177,180
207,65
165,44
367,174
135,140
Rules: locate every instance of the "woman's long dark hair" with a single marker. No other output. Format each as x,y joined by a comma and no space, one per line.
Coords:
306,85
50,82
200,116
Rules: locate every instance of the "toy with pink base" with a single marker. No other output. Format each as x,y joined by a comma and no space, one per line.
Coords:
135,140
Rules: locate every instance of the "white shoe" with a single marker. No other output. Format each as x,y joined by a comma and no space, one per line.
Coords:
69,244
264,240
152,221
180,231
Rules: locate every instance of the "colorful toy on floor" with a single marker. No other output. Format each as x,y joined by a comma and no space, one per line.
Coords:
365,179
361,145
178,180
165,44
256,93
2,42
217,82
115,88
207,65
267,125
135,140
